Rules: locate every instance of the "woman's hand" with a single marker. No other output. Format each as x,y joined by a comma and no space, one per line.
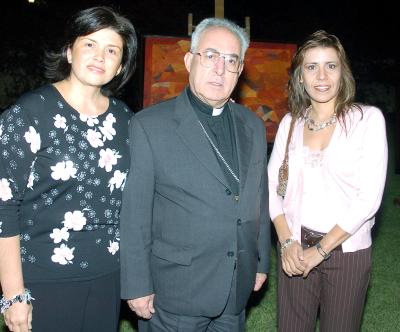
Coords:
312,258
18,317
292,259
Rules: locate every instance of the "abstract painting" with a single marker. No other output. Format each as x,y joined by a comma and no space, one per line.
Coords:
261,87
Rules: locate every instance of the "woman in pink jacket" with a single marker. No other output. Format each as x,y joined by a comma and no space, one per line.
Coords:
336,154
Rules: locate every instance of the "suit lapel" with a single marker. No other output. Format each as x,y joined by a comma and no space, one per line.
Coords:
244,145
192,135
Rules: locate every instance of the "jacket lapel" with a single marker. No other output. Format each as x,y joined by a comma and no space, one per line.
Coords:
193,137
244,144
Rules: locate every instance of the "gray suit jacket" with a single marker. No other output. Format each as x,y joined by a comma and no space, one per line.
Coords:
183,232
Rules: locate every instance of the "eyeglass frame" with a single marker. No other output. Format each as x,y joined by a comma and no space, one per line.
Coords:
221,55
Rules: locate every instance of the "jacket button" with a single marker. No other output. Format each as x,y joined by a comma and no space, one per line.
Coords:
239,221
228,192
230,254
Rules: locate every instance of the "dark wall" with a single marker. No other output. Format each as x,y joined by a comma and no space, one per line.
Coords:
366,31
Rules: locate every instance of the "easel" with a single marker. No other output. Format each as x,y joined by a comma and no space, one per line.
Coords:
219,13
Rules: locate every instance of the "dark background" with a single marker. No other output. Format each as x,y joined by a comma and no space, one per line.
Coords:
367,31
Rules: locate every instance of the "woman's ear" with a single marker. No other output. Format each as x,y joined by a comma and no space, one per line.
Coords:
69,55
118,70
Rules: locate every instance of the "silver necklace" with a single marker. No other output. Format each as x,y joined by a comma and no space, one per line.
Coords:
316,126
219,153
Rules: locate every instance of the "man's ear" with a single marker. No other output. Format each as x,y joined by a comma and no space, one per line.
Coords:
188,61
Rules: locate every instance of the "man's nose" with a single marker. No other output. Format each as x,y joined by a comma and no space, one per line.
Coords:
219,65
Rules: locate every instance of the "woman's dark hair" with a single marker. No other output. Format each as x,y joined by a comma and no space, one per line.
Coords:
88,21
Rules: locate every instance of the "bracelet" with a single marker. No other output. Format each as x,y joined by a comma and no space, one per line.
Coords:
24,297
287,243
322,252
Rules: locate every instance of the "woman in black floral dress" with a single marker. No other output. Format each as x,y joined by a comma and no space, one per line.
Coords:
64,161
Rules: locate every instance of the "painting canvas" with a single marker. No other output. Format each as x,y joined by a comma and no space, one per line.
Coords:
262,85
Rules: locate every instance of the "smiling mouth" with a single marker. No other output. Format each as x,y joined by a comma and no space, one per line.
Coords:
322,88
96,69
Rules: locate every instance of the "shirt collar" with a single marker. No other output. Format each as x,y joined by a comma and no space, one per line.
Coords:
202,106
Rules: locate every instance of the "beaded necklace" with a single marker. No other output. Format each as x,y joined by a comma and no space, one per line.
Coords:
316,126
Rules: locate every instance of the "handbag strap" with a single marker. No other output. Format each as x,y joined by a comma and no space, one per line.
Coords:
286,159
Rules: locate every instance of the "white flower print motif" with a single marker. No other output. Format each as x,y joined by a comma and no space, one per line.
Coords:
63,170
74,220
118,180
59,235
108,158
33,138
94,138
110,118
89,119
113,248
60,121
63,255
31,177
30,181
107,130
1,130
5,190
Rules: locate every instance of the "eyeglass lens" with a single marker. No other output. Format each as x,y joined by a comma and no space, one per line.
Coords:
210,58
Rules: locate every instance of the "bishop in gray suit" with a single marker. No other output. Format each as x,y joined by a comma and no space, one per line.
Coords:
195,230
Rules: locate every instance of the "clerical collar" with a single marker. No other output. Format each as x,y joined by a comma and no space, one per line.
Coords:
203,107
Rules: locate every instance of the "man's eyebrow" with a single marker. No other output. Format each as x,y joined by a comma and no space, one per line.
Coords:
214,50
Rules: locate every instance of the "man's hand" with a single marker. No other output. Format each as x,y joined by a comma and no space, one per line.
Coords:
143,306
18,317
260,279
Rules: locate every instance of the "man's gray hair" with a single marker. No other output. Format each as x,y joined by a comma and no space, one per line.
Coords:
213,22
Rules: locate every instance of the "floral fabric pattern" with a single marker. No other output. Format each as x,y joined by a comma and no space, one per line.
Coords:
5,190
64,172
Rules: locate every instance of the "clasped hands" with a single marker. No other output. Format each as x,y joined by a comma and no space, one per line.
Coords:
299,261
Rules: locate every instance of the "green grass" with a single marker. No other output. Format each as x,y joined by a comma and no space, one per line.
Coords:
383,299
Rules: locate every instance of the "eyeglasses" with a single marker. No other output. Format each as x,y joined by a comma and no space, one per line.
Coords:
210,58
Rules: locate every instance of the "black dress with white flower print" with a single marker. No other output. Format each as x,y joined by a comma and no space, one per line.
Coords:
61,180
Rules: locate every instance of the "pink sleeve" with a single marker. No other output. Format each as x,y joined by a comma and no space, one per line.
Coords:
372,174
275,161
